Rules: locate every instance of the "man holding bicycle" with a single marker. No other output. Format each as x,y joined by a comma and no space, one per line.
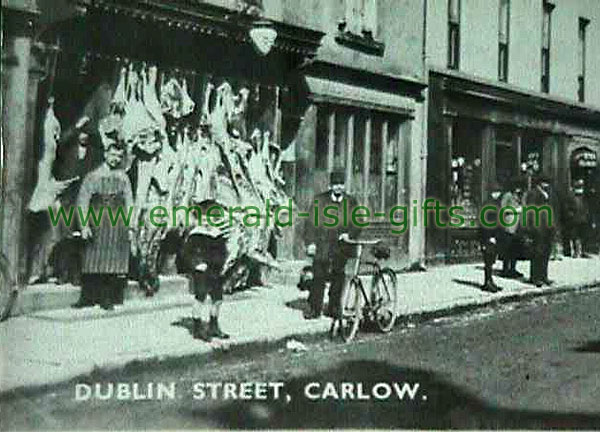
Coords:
326,245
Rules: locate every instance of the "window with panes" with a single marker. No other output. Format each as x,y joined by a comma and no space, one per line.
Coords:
503,38
367,145
453,34
546,38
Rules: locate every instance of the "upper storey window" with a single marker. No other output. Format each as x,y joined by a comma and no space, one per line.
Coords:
546,38
453,34
503,37
358,27
583,23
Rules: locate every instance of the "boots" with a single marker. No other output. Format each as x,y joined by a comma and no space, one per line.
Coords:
214,330
200,331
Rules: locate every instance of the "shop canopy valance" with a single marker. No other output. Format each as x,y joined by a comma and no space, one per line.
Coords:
203,18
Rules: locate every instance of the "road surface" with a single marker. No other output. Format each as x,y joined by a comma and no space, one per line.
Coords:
533,364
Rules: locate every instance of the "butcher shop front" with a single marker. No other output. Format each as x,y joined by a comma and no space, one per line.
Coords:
205,99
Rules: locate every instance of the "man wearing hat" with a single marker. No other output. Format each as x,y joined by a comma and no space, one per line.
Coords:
542,230
575,221
490,235
509,236
326,245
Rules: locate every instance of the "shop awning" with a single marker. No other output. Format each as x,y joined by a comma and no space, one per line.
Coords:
585,158
326,91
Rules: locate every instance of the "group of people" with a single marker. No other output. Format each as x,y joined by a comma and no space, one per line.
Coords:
157,150
528,229
534,235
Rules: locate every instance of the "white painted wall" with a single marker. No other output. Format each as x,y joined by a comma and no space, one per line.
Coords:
479,43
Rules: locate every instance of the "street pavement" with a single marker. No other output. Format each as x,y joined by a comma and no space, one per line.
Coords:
51,346
532,364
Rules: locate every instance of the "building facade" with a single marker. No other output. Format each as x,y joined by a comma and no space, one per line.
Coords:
513,91
340,87
363,110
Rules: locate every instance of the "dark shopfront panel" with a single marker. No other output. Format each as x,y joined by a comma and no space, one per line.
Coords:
93,49
479,135
201,48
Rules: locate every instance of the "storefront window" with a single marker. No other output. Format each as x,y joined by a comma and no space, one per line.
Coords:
532,154
366,147
465,190
505,157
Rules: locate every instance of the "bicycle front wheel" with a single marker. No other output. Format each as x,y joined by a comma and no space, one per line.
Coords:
8,293
351,307
385,299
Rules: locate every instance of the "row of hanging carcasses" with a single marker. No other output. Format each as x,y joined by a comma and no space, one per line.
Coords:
210,159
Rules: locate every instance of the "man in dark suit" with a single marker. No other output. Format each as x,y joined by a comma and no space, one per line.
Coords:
540,221
326,244
490,233
574,223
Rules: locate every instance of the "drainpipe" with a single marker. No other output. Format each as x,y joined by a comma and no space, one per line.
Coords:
423,251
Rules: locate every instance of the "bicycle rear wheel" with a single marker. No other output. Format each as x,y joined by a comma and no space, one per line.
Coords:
351,307
8,293
385,299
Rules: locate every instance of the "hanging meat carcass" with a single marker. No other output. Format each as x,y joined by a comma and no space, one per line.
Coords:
47,188
175,100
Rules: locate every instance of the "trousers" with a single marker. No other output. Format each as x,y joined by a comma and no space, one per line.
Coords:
324,271
541,256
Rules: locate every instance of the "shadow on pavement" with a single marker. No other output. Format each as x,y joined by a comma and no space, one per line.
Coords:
469,283
185,322
590,347
437,405
300,304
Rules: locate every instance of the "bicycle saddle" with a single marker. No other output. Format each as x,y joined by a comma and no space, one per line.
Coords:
381,252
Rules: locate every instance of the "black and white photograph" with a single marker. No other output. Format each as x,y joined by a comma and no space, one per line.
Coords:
300,214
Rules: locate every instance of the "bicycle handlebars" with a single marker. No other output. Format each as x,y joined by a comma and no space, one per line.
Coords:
361,242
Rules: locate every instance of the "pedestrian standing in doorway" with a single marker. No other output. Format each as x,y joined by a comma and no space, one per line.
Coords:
581,228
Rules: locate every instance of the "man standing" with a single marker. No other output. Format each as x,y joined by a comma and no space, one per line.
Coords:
581,227
540,224
107,249
508,241
325,244
490,233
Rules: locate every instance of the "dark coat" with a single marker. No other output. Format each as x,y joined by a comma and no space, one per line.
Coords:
326,239
546,226
491,217
575,210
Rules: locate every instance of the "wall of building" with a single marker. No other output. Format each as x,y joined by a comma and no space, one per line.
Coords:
400,28
479,43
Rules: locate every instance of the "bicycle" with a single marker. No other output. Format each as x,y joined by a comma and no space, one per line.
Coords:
8,289
380,306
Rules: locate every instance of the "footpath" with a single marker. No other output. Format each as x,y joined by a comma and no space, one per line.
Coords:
48,342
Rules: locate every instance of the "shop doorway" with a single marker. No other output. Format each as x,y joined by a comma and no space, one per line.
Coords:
584,165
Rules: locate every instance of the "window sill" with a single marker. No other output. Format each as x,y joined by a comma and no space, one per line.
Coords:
364,42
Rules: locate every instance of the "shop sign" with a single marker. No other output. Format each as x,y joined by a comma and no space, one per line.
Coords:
585,159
